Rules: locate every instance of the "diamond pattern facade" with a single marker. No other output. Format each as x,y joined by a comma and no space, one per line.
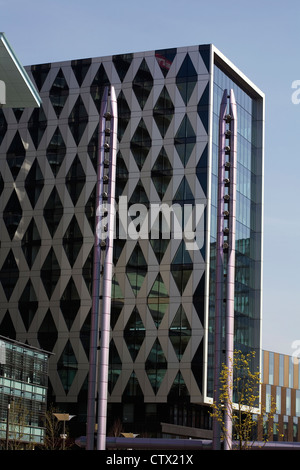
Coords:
48,169
54,221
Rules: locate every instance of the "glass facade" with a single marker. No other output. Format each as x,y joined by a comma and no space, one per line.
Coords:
280,385
163,290
248,217
23,387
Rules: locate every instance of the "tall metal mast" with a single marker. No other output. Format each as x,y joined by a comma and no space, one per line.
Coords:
102,263
225,254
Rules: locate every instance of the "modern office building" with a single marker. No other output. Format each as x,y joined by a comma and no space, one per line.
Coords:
23,394
163,296
281,387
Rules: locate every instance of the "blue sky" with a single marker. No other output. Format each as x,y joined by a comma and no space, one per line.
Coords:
262,38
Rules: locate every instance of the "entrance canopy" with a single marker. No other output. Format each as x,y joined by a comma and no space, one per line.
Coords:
16,88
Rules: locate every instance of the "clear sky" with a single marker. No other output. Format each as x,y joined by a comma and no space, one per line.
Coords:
262,38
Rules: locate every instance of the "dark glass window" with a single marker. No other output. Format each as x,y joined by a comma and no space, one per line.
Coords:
67,367
53,211
165,59
156,365
15,155
161,173
115,366
50,272
1,184
3,125
185,140
56,151
80,69
142,83
59,93
12,214
70,303
34,183
90,208
180,332
97,87
72,241
9,274
40,73
124,114
31,243
163,111
7,326
122,64
78,120
134,333
158,300
117,302
179,389
28,304
186,79
136,269
132,389
140,144
37,125
75,180
121,175
182,267
47,334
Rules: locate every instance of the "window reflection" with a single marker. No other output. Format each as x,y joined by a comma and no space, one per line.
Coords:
248,214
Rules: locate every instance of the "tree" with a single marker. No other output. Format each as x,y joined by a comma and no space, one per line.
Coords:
18,418
53,428
116,429
52,439
250,422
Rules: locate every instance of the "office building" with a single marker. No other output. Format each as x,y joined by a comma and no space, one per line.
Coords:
23,394
163,294
281,388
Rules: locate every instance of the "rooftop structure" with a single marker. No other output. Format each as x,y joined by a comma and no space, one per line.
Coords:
16,88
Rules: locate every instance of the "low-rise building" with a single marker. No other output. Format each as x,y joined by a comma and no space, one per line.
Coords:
23,393
281,386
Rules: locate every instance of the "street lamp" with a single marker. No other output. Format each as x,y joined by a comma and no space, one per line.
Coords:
7,426
7,422
63,417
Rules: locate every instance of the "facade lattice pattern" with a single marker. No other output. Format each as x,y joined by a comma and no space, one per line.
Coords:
160,296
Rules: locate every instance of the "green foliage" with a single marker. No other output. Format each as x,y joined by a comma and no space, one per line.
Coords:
239,402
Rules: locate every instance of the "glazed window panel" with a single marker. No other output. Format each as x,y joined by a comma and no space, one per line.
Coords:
268,398
271,368
281,370
288,402
134,333
278,400
291,372
297,402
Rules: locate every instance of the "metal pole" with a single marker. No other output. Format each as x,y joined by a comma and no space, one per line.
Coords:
7,426
63,417
107,277
230,287
219,282
64,434
94,334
